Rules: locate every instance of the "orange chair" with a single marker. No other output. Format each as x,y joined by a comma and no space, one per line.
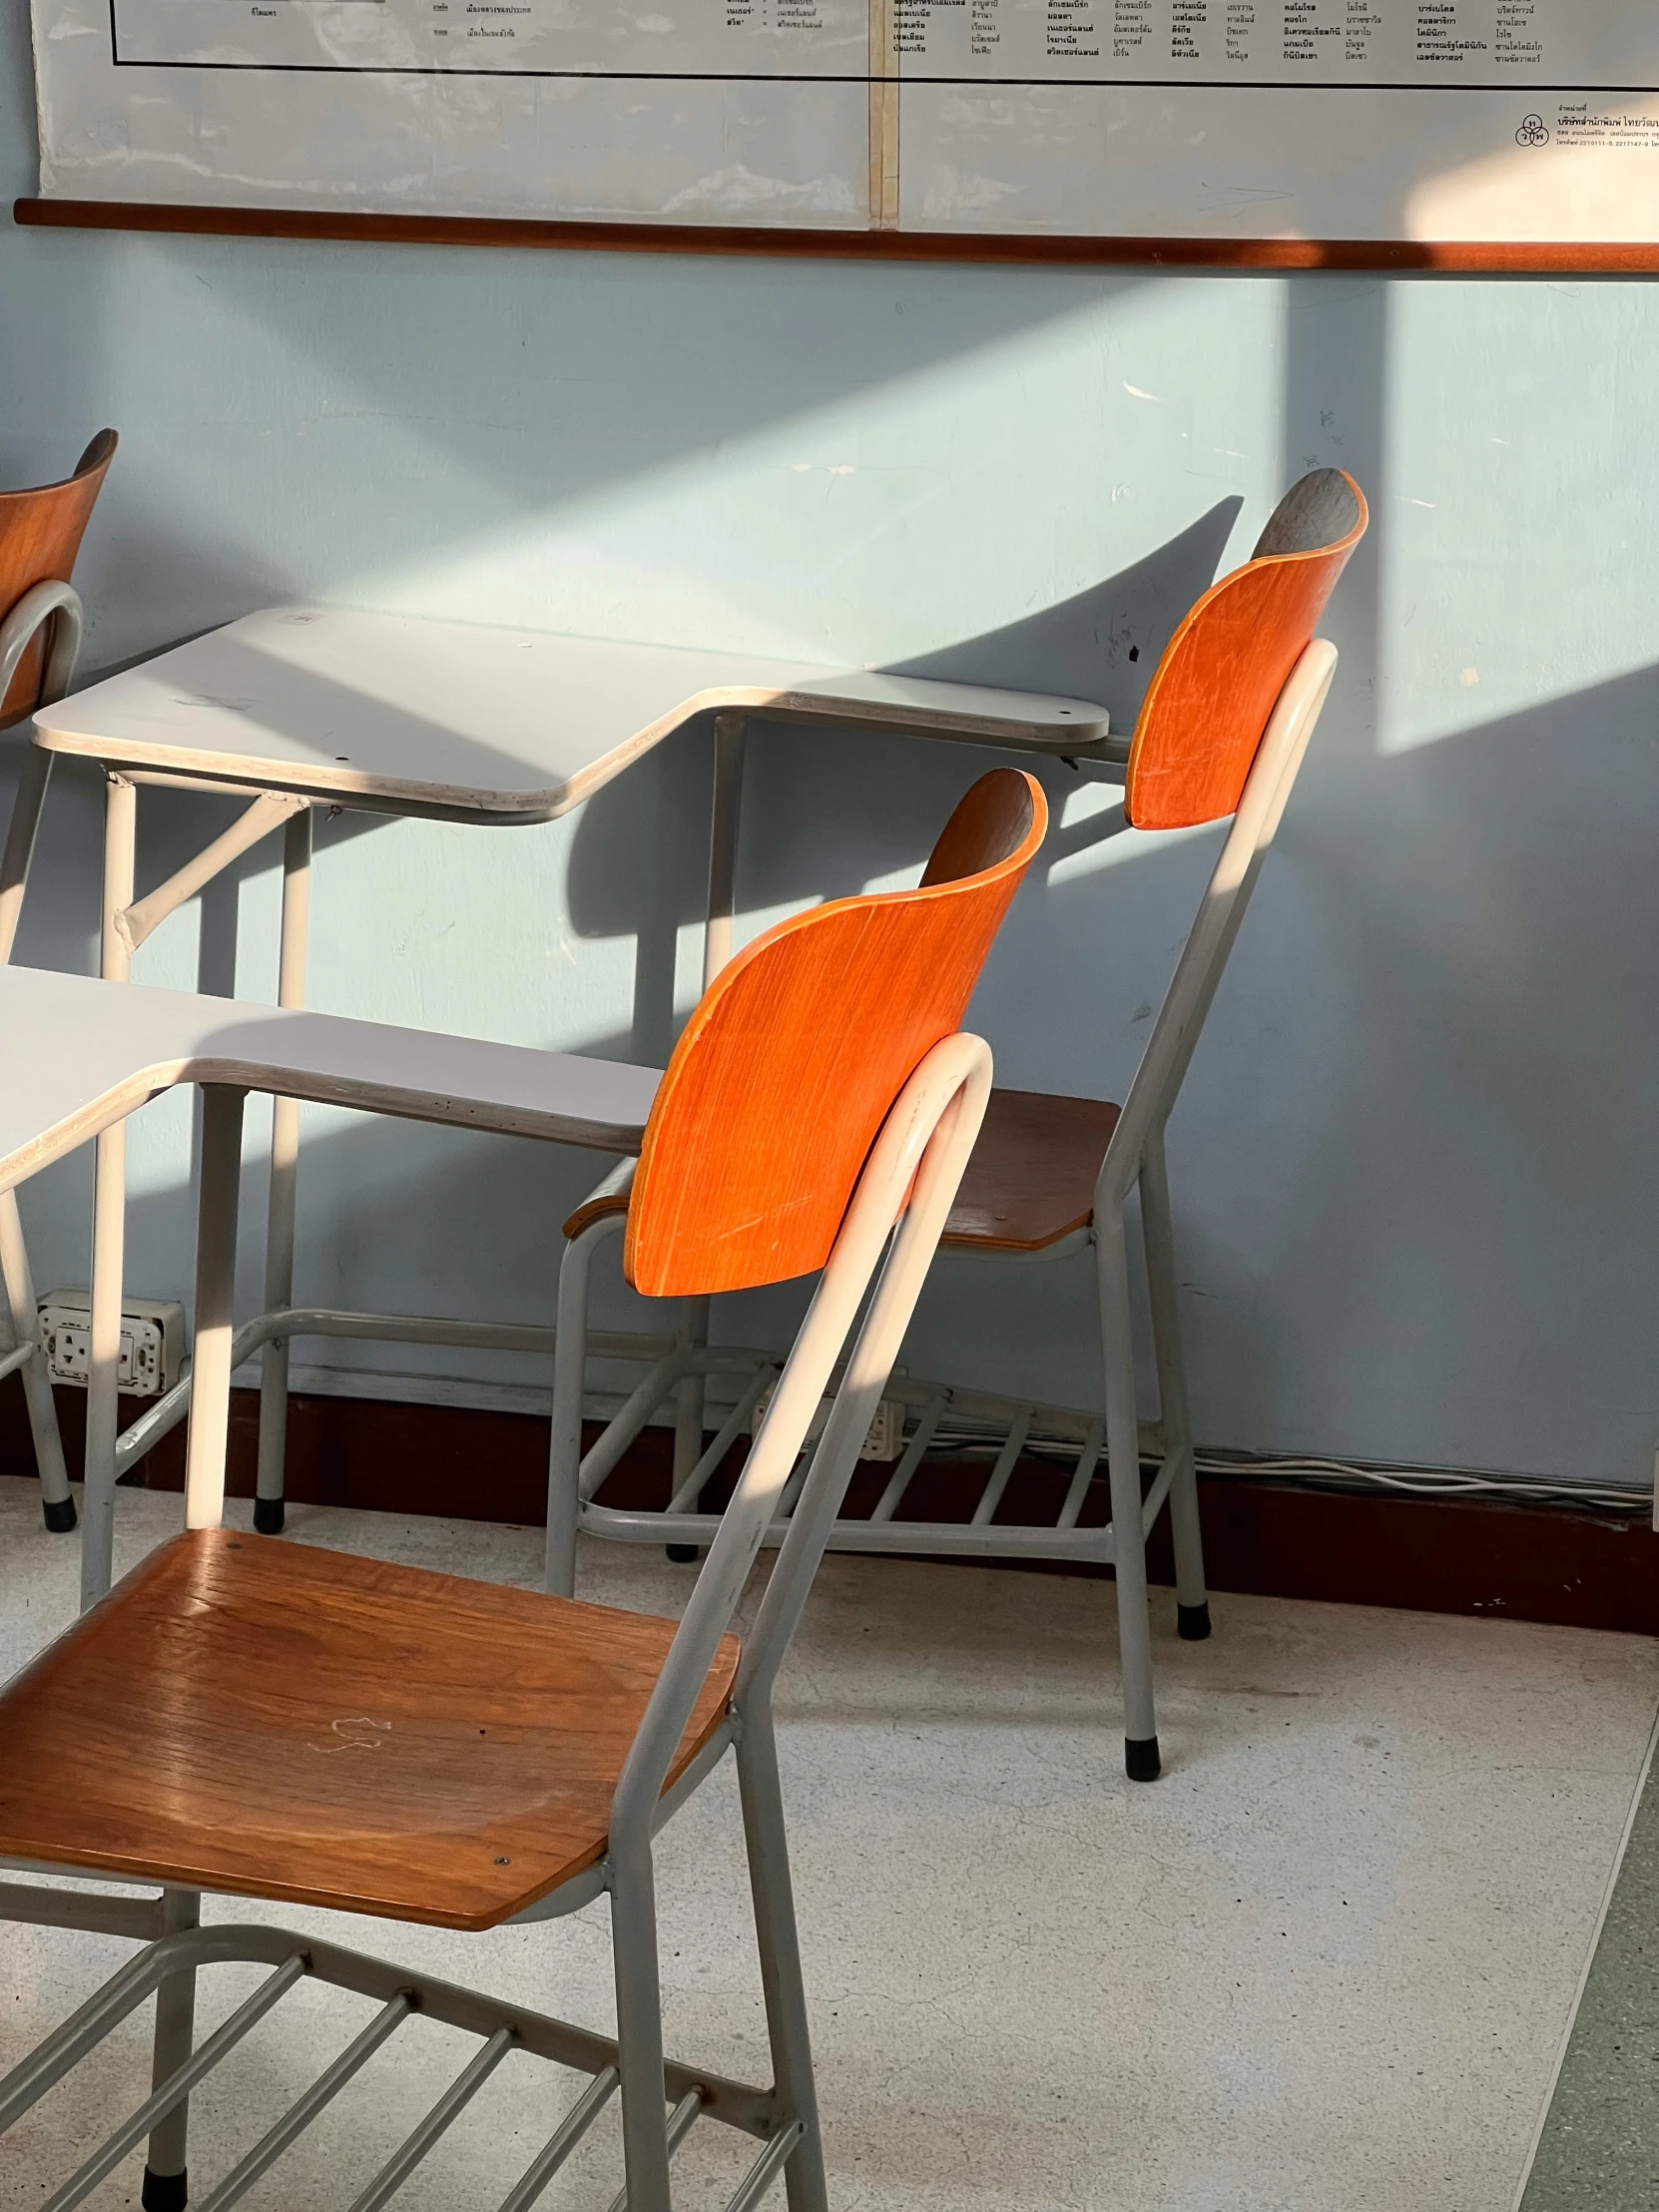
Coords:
40,641
1222,731
814,1119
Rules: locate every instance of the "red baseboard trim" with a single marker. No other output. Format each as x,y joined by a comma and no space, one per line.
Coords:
1439,1555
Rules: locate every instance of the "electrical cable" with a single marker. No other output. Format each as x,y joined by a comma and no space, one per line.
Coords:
1317,1472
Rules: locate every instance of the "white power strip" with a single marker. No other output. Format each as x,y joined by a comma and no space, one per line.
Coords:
152,1341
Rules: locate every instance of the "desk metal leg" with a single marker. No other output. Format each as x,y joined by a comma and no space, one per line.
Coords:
109,1223
730,738
23,1313
285,1167
33,776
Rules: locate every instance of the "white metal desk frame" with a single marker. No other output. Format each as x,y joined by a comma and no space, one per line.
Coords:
56,608
181,735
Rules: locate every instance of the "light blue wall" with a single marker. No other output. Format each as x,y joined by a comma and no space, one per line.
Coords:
1415,1181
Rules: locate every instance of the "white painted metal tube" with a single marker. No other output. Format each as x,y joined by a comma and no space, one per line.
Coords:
679,2124
626,1426
946,1539
34,774
215,1286
157,2107
443,2114
1180,1021
928,1135
306,2106
1082,1476
269,812
412,1329
731,734
765,2169
30,1355
61,602
1006,1459
910,1460
708,1461
547,2161
564,1450
109,1225
284,1168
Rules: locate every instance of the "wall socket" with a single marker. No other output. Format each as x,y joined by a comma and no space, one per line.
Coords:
152,1341
885,1440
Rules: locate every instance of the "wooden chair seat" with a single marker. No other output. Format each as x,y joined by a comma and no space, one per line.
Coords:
247,1715
1029,1183
1031,1178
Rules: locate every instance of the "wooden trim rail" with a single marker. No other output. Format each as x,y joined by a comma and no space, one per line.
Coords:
1398,257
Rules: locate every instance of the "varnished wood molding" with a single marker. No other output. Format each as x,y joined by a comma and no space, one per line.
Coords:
1404,256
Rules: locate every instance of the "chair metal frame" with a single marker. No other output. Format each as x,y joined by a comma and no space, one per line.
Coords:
857,1193
888,1240
1134,1159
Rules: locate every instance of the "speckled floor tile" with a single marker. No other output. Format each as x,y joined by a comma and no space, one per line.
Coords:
1324,1966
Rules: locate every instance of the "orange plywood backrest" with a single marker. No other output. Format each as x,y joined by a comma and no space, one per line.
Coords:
1220,675
799,1047
40,535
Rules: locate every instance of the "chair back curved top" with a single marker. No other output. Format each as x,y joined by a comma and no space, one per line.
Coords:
799,1048
1222,672
40,535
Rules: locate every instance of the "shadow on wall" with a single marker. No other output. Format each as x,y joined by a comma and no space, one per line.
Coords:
353,374
639,860
1377,1240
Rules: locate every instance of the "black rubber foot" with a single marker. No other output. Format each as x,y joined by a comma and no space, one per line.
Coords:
165,2192
60,1518
1192,1622
1140,1758
683,1555
267,1519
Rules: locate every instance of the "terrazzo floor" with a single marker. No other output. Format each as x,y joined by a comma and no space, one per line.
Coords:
1326,1964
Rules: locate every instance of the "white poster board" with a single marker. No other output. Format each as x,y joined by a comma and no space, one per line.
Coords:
1497,120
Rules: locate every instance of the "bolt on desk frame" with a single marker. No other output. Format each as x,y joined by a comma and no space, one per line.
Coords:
445,721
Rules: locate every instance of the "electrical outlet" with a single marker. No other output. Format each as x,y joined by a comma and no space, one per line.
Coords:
152,1341
885,1440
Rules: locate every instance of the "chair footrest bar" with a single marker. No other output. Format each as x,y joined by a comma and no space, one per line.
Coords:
547,2161
306,2109
176,2088
438,2122
501,2027
765,2169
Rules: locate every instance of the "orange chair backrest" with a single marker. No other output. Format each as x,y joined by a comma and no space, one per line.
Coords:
40,535
788,1066
1220,675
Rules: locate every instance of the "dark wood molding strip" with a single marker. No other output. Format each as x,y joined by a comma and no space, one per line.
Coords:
1400,257
1564,1565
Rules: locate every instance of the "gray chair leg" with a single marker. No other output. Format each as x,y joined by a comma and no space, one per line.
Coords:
780,1977
564,1463
1191,1599
639,2015
1123,1451
690,1396
23,1320
166,2178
